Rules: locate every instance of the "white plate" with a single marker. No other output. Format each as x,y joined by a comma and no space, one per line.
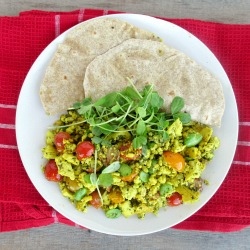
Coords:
32,123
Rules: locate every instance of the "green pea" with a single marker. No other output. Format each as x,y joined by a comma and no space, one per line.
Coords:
144,176
125,169
165,189
153,162
151,170
79,194
192,139
113,213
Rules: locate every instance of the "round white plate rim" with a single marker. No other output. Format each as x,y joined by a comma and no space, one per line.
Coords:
131,226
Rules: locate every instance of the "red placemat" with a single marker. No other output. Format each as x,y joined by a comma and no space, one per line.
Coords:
23,38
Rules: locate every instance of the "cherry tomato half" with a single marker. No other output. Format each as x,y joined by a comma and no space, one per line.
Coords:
175,160
128,153
96,200
175,199
51,171
59,139
84,150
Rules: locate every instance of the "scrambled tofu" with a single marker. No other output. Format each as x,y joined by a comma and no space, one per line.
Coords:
149,178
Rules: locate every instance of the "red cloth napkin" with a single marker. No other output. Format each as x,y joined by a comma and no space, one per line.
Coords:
24,37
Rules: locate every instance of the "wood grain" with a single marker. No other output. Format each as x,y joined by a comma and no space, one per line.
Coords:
65,237
227,11
59,236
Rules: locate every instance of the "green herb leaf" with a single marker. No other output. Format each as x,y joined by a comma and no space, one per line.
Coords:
144,176
165,136
141,111
141,128
105,180
96,140
163,123
96,131
107,101
184,117
176,105
114,166
77,105
125,169
85,102
106,142
83,109
87,178
131,93
192,139
156,101
139,141
93,179
116,108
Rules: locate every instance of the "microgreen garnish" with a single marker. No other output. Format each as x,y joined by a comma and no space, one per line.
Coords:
114,166
105,178
136,111
176,105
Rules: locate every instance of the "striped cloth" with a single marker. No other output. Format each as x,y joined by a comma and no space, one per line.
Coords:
22,39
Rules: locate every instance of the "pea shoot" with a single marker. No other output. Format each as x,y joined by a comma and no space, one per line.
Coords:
105,178
136,111
125,169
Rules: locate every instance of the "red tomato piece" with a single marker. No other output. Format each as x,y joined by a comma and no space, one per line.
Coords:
51,171
96,200
175,199
84,150
59,140
175,160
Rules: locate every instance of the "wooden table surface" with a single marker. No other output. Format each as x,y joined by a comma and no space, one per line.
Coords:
58,236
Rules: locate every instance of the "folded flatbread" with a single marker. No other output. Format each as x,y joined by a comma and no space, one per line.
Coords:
62,83
172,72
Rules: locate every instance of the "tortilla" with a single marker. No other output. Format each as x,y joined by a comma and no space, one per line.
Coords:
62,83
172,72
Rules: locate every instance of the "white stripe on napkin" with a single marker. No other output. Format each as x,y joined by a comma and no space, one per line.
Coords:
8,146
7,106
54,216
244,143
7,126
244,123
245,163
81,15
57,25
105,12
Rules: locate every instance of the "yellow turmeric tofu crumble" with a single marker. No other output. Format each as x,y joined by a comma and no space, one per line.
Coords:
138,164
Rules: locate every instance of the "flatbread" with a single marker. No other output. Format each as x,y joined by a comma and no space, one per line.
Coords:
172,72
62,83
